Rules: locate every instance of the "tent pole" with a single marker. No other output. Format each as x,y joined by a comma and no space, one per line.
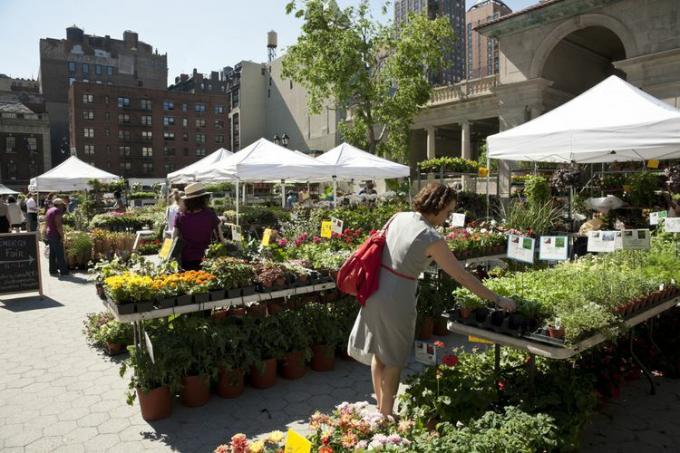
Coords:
237,201
335,191
283,193
488,176
410,200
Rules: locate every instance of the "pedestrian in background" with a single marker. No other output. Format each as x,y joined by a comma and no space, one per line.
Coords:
31,213
174,207
14,215
54,234
4,221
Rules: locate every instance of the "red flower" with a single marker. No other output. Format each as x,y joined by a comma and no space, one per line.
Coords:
316,240
372,232
325,449
439,344
501,386
450,360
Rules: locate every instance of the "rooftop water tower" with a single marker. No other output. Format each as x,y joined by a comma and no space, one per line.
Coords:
272,43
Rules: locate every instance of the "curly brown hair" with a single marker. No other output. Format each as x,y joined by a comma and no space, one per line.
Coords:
433,198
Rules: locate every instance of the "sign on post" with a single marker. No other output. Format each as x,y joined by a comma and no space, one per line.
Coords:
297,443
635,239
337,225
457,220
553,248
166,249
426,353
672,225
266,237
602,241
656,217
521,248
326,229
19,263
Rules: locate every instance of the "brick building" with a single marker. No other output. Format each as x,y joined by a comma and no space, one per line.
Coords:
99,60
482,52
143,132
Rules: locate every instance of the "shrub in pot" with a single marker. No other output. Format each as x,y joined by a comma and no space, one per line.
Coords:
196,359
326,334
271,275
269,340
234,355
296,345
114,336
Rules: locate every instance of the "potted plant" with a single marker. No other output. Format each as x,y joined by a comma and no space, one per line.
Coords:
196,359
271,276
468,303
275,306
269,339
114,336
555,329
296,344
235,354
233,275
257,310
326,333
165,290
199,284
130,292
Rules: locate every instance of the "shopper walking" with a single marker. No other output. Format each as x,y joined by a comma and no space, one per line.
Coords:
384,330
32,213
54,233
195,226
174,206
119,204
14,215
4,220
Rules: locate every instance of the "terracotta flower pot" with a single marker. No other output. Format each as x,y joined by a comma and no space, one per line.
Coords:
237,312
219,315
293,365
426,328
230,383
465,312
257,311
323,357
440,328
556,333
274,308
156,404
195,391
264,378
114,348
280,283
295,303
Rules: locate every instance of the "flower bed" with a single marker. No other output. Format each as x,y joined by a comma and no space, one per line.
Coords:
473,242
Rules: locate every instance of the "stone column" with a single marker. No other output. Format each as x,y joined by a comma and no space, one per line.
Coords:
467,182
430,142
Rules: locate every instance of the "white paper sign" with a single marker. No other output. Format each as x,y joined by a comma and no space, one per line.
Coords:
149,347
553,248
521,248
672,225
236,233
336,225
457,220
655,217
635,239
426,353
602,241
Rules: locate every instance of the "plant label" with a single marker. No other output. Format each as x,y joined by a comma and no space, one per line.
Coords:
635,239
236,233
166,249
457,220
149,347
326,229
553,248
266,237
336,225
602,241
296,443
521,248
473,339
656,217
426,353
672,225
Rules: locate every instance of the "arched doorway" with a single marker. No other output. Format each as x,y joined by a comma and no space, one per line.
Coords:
584,58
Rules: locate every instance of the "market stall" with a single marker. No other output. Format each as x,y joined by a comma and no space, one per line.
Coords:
4,190
188,173
71,175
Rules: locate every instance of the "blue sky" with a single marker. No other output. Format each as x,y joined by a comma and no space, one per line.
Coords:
206,35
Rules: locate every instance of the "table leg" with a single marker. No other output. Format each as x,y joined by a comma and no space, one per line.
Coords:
645,371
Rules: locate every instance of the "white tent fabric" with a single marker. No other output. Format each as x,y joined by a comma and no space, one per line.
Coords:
266,161
348,162
71,175
613,121
4,190
188,173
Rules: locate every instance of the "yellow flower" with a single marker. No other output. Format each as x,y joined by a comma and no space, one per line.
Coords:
257,447
275,436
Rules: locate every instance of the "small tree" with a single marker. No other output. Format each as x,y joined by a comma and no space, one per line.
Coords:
377,73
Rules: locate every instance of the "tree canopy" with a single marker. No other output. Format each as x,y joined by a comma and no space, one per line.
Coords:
377,74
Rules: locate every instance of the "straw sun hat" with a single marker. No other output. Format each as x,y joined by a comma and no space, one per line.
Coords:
195,190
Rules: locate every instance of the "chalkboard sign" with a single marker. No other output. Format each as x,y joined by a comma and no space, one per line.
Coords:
19,263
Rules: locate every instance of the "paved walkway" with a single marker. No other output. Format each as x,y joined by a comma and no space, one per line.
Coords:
58,394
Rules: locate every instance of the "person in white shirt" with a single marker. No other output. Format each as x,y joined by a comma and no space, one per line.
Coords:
174,206
32,213
14,214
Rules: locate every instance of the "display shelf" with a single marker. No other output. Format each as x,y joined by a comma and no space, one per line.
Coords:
244,300
557,352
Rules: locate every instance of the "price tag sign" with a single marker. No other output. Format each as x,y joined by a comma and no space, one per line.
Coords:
426,353
652,164
326,229
473,339
553,248
656,217
337,225
149,347
635,239
672,225
236,233
457,220
266,237
521,248
166,249
296,443
603,241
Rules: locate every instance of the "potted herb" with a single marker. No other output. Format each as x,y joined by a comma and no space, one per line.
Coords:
114,336
269,339
234,355
196,359
296,344
233,275
555,329
326,334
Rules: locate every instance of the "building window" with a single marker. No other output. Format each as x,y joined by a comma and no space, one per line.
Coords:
169,167
10,144
71,68
146,136
88,132
200,138
32,144
185,122
107,132
125,165
146,120
88,115
184,108
98,69
219,108
109,70
200,122
169,135
200,152
186,152
168,105
124,135
12,169
185,137
234,99
86,69
219,139
147,167
168,121
123,118
108,150
89,150
123,102
199,107
146,104
219,124
88,99
168,151
125,151
147,151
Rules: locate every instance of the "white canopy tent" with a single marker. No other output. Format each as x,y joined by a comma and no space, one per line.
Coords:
4,190
188,173
613,121
71,175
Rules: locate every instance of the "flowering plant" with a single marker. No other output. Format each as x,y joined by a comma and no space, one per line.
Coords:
230,273
272,443
129,288
198,282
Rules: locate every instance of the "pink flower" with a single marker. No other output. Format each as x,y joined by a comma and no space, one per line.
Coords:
222,449
282,242
501,386
239,443
439,344
316,240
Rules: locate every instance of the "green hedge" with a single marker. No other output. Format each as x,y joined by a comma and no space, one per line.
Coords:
450,164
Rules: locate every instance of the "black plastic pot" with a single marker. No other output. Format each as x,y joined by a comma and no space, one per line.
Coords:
233,293
480,314
184,299
496,318
142,307
125,309
201,298
518,322
217,294
165,302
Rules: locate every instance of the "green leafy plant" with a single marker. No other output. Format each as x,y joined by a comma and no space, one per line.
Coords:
537,190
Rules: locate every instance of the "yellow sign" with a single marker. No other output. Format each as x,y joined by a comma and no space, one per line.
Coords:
266,236
472,339
166,248
295,443
652,164
483,171
326,229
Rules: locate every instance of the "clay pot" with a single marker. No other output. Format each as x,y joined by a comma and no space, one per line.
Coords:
294,303
440,329
219,315
257,311
230,383
426,328
195,391
465,312
293,365
237,312
265,377
280,283
274,308
556,333
156,404
323,357
114,348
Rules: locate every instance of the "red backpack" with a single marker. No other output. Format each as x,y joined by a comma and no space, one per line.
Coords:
360,274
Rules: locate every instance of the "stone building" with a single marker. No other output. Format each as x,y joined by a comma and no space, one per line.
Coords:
481,52
97,60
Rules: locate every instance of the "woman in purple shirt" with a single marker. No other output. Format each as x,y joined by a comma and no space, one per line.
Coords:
195,226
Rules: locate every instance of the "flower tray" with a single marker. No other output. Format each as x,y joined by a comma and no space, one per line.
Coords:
217,294
233,293
248,290
143,307
184,299
165,302
201,298
124,309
